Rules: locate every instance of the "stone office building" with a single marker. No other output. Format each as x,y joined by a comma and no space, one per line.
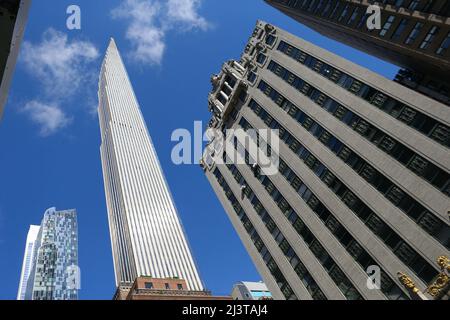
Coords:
363,175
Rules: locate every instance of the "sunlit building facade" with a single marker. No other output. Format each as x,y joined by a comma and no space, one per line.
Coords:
147,236
363,179
28,260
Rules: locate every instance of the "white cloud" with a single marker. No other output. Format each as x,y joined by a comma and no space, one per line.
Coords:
62,67
150,20
59,64
147,39
49,117
185,11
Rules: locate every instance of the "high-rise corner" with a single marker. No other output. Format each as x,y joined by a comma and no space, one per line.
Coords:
50,269
413,34
363,177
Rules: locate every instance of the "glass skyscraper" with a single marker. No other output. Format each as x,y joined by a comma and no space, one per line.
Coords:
54,273
146,233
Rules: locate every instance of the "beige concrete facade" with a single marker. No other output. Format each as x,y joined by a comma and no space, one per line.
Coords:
339,229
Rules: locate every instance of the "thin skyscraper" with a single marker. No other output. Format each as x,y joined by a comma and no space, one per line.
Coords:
28,259
146,233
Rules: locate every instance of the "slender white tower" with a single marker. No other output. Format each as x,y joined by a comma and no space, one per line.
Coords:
28,260
146,233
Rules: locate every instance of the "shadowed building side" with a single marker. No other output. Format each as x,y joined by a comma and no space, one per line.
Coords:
13,18
414,35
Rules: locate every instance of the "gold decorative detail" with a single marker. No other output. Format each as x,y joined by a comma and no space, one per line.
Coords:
444,263
440,283
443,279
407,282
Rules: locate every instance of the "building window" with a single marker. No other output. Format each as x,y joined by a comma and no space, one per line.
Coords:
444,46
326,11
413,5
180,286
353,16
429,37
400,28
270,39
261,58
414,33
319,6
399,3
148,285
343,13
362,22
445,10
311,6
428,6
335,10
387,25
251,77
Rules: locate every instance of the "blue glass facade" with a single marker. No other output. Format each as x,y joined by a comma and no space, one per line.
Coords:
55,273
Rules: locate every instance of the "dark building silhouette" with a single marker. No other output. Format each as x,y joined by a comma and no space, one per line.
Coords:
414,35
13,17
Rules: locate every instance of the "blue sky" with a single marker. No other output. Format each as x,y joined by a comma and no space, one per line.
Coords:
49,135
